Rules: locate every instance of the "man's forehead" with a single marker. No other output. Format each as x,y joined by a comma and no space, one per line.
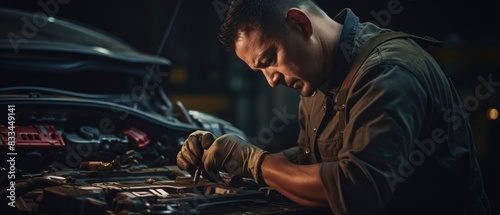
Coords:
249,45
243,46
254,37
248,38
247,31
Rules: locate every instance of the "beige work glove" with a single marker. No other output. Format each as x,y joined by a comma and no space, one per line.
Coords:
227,153
189,157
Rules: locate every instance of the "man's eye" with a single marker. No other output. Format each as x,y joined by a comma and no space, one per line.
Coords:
269,61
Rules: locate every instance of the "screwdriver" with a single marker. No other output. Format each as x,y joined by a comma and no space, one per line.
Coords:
197,173
205,140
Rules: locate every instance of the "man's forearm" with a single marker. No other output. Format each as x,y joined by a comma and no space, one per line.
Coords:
300,183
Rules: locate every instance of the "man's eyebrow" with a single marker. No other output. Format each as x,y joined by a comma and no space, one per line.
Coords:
258,61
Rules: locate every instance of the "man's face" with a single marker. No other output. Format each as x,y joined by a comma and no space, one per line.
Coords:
291,60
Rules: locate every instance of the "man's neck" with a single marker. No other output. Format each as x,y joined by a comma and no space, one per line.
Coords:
329,33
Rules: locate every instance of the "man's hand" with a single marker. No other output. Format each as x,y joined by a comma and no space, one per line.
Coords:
227,153
231,154
189,157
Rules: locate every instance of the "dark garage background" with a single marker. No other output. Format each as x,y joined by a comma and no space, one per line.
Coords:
207,78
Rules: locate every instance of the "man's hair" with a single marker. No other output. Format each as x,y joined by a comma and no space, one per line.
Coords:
267,15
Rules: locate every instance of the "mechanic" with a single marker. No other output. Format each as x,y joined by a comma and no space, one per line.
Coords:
399,144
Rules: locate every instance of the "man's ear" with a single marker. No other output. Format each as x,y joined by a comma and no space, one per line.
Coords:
298,19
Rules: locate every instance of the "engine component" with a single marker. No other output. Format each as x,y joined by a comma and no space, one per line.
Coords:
96,165
90,144
35,146
116,163
137,137
90,133
33,135
68,199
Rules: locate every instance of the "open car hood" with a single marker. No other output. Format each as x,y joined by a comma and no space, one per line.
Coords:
23,31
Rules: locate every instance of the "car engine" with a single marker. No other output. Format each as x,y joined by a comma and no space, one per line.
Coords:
70,166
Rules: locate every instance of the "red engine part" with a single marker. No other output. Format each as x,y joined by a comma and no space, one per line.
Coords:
33,135
137,137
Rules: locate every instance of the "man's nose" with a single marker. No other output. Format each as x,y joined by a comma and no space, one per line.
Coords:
273,77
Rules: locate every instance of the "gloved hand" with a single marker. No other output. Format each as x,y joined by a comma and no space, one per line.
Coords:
227,153
189,157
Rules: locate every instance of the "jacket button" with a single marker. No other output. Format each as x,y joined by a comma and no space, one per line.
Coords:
314,129
307,150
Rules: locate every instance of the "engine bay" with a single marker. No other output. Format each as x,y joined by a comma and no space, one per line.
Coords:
67,165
